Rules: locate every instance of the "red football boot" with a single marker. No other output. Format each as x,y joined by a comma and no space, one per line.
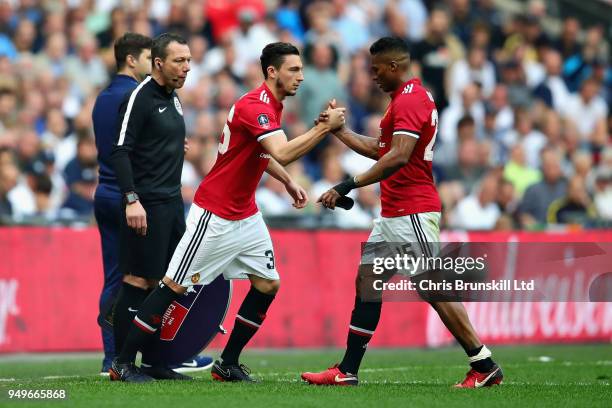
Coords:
331,376
474,379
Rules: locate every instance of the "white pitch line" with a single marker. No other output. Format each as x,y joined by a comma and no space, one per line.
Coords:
60,377
295,375
419,382
47,377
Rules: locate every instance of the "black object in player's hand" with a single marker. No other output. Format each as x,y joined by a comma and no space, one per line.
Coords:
345,202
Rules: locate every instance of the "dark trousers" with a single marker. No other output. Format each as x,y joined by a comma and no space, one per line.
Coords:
108,214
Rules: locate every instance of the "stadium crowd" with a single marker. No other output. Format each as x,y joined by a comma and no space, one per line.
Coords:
524,131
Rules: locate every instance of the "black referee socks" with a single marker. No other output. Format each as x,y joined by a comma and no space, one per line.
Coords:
250,316
364,320
147,322
127,304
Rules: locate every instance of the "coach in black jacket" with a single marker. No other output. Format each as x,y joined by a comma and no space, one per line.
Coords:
148,159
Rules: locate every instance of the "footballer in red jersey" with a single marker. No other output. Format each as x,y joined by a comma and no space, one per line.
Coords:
410,209
226,234
253,118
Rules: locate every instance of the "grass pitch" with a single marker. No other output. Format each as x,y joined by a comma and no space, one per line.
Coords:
535,376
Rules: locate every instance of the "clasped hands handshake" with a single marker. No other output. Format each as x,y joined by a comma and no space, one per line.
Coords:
336,196
333,116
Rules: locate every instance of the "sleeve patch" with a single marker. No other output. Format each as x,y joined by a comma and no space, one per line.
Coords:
263,120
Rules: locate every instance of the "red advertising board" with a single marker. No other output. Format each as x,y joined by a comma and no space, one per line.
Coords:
50,280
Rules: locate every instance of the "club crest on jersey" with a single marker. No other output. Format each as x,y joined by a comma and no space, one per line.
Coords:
263,121
195,278
178,106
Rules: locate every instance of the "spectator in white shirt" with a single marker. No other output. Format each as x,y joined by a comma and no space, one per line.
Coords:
250,38
531,139
470,105
553,89
587,112
474,68
271,198
478,211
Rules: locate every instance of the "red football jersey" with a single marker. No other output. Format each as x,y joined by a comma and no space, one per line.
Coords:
228,191
411,189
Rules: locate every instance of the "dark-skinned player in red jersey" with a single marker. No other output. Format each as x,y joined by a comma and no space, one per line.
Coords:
410,209
226,234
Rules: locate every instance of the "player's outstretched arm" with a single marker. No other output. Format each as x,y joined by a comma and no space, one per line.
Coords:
395,159
299,195
364,145
285,152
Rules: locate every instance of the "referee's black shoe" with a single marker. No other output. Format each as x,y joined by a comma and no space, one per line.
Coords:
127,372
231,373
162,373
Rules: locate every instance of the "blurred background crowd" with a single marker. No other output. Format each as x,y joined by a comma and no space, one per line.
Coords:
523,90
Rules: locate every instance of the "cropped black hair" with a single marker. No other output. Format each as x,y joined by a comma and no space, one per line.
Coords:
161,42
390,44
274,54
130,44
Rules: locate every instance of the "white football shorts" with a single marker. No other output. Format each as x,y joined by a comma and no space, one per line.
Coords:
212,246
414,234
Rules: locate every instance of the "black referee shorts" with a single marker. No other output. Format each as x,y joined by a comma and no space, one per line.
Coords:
148,257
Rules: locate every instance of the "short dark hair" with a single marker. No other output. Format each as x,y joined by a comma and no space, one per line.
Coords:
161,42
274,54
42,183
390,44
466,120
130,44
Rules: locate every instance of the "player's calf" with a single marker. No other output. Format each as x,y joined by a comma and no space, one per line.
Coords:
364,320
147,322
249,319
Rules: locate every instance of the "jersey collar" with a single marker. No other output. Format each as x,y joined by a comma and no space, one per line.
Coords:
277,105
399,90
126,78
162,89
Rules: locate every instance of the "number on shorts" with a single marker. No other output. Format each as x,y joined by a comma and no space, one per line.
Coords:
270,254
406,249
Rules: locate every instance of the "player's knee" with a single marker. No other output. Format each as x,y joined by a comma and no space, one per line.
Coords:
274,287
269,287
178,289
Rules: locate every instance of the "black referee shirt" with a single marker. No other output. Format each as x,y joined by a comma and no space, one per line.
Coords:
148,153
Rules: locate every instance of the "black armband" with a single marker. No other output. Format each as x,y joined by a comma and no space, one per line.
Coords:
345,187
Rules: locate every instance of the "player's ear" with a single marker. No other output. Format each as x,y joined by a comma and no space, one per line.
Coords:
272,72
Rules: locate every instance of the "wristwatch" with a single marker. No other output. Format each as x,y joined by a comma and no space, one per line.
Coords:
131,197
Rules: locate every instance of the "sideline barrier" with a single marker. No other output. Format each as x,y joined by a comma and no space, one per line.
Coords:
50,280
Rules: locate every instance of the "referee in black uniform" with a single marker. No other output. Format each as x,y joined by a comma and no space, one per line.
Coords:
148,160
